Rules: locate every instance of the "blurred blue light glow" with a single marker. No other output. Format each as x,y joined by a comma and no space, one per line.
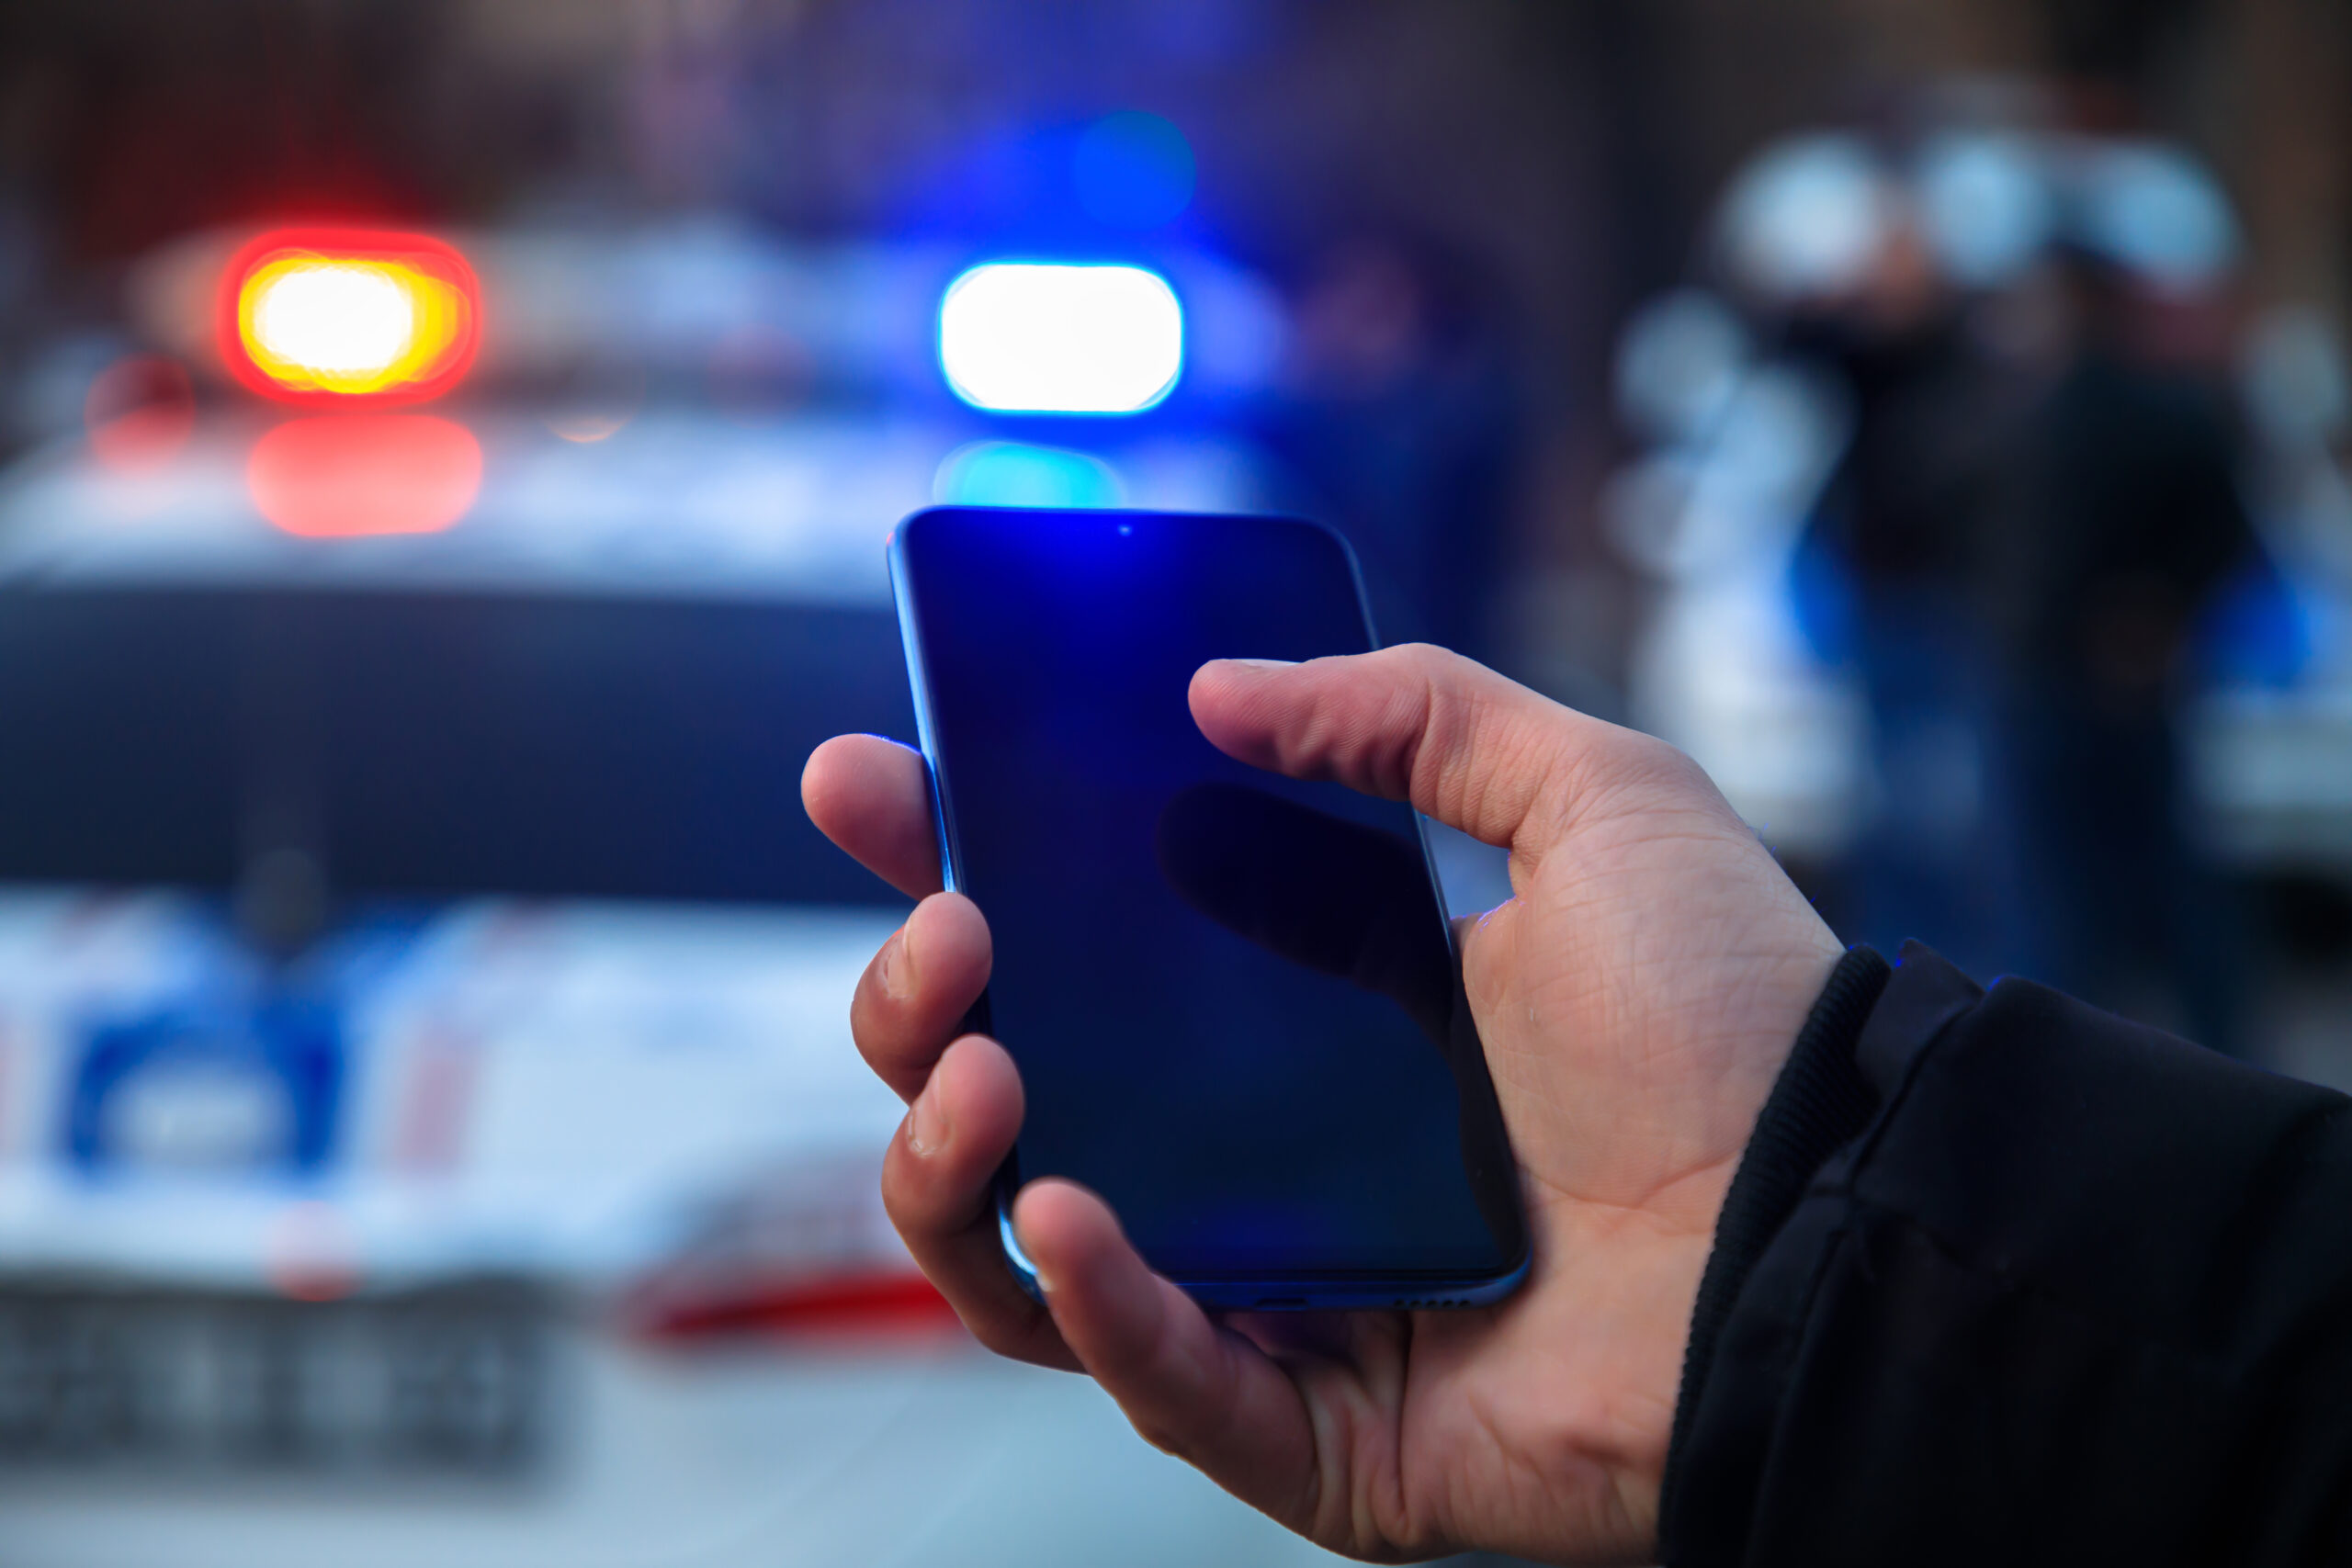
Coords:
1132,170
1985,203
1803,217
1027,337
1012,473
2157,210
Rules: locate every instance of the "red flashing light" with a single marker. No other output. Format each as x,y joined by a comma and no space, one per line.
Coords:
331,316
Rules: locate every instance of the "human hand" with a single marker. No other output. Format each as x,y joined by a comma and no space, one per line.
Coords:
1637,997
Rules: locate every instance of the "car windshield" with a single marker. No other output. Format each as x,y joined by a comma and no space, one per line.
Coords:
445,744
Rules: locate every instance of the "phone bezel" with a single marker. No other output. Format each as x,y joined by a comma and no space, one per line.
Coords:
1315,1292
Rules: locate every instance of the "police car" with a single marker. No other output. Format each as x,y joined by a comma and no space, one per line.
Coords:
428,1124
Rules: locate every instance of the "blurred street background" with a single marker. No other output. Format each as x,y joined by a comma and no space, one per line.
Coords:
446,448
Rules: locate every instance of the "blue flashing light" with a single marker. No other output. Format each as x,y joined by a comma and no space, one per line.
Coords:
1036,337
1013,473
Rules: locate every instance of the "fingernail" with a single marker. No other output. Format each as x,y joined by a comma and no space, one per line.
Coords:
927,1123
1265,663
896,963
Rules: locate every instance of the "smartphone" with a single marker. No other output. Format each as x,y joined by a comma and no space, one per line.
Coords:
1234,998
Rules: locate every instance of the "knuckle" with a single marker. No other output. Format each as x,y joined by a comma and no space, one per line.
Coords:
1014,1327
913,1210
997,1336
1422,657
872,996
1634,758
868,1021
1641,774
1648,754
1160,1436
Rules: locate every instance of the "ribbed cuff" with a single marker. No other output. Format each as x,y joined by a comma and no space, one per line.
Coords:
1820,1102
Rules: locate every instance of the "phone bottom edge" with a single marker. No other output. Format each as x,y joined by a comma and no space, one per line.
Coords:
1273,1294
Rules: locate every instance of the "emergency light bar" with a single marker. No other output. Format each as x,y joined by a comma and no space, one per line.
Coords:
332,316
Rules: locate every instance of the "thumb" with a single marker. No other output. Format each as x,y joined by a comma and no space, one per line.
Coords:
1466,746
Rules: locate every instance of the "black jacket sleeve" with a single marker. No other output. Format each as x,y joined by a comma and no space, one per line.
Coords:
2004,1278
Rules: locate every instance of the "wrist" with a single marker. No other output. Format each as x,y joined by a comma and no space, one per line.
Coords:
1819,1102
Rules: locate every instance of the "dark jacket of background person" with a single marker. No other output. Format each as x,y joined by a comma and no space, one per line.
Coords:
1911,517
2004,1278
2130,518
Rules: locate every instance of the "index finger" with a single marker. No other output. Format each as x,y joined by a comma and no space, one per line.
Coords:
872,796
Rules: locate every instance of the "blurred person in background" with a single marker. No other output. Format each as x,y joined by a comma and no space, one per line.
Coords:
1908,517
2129,520
2027,526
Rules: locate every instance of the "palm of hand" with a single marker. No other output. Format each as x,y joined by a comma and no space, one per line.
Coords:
1540,1427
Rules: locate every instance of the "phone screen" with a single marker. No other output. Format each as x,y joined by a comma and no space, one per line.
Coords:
1231,996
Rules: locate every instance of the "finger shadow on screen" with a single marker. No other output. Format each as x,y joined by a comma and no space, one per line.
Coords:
1350,901
1336,897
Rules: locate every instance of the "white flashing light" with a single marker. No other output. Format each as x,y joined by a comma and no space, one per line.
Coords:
1028,337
